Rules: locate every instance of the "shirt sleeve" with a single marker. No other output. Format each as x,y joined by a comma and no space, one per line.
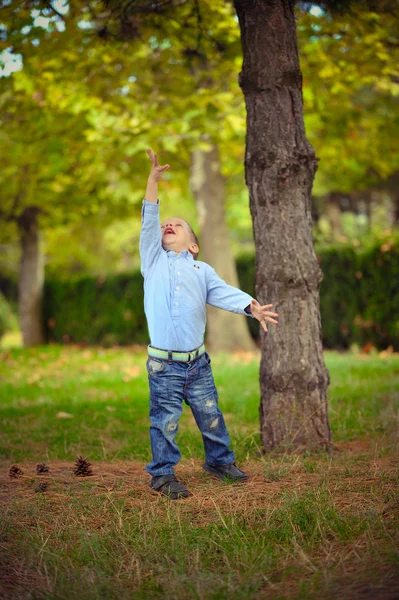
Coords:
150,235
225,296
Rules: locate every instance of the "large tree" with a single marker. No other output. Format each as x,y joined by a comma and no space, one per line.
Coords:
280,165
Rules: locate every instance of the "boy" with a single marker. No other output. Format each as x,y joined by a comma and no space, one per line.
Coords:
176,290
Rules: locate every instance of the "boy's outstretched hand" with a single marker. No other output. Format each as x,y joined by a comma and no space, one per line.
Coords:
263,314
156,169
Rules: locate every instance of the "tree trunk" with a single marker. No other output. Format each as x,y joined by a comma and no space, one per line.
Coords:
280,166
224,331
31,278
395,202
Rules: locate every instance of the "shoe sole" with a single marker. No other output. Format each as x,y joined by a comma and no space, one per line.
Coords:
173,495
223,477
180,496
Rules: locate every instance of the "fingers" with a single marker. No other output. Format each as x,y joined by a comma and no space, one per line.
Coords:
265,306
262,314
269,319
256,303
265,314
153,157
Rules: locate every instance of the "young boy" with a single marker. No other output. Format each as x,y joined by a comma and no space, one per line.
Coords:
176,290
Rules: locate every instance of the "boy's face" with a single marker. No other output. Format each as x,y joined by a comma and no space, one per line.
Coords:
176,235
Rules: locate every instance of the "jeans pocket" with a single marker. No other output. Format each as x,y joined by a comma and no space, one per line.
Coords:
155,365
206,359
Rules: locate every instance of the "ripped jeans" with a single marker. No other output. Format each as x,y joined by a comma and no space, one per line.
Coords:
193,382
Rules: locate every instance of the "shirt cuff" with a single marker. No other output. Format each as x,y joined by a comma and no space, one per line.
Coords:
154,204
247,311
149,210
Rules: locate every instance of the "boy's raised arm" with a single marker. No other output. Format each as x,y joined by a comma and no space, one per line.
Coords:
150,234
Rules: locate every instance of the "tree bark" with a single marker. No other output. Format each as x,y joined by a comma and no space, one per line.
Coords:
224,330
280,165
31,278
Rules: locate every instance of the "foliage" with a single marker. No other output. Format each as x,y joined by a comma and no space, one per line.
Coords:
67,91
350,70
90,106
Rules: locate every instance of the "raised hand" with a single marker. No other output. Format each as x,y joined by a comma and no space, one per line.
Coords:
156,169
262,314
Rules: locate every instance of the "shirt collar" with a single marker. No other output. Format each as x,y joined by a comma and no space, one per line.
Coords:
183,253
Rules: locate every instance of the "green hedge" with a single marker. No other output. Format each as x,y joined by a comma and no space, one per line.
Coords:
359,296
95,310
359,301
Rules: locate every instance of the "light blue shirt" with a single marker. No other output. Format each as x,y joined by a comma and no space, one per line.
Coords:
177,289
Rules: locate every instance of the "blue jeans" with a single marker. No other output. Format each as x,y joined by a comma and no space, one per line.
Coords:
193,382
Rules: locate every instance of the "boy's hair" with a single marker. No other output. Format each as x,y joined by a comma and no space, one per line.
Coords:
194,238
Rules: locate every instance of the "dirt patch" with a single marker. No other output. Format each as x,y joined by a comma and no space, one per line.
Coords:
357,479
350,481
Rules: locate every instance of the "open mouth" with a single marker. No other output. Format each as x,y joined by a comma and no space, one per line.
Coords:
169,230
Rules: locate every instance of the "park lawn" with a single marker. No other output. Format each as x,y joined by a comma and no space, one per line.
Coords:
304,526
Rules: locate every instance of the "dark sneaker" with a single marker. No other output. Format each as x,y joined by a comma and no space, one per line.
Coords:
168,485
226,472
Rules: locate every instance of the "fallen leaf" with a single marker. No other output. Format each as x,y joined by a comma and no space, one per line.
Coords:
386,353
63,415
133,371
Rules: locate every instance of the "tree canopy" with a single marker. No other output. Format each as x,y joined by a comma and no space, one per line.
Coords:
90,98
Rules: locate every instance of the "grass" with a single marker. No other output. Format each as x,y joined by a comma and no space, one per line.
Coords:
304,526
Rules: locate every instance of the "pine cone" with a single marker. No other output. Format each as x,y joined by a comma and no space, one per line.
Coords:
42,468
82,467
41,486
15,471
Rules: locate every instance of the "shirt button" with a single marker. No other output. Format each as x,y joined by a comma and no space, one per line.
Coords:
176,304
177,287
178,272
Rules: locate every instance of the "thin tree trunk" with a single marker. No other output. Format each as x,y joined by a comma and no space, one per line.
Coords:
395,203
224,331
31,279
334,214
280,166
